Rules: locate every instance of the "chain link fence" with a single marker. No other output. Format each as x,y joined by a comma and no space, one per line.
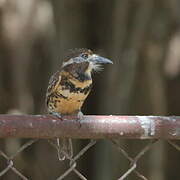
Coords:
147,127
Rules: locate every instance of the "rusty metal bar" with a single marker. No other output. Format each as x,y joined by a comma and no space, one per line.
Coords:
97,127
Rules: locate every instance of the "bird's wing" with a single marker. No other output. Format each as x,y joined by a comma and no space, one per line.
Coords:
53,83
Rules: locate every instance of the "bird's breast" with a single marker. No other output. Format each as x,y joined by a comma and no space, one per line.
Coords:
71,96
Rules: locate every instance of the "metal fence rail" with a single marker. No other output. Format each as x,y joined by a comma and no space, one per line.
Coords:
90,127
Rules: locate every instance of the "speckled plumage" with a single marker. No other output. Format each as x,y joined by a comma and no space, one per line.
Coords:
66,94
69,87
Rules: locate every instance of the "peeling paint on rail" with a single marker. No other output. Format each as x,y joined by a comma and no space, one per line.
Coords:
148,125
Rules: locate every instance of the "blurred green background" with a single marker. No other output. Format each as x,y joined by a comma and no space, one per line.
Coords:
142,37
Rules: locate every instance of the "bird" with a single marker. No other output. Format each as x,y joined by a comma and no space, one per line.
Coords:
70,86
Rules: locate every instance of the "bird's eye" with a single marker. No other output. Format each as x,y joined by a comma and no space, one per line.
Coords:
84,55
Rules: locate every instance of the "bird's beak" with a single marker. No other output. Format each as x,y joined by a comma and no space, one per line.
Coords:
98,59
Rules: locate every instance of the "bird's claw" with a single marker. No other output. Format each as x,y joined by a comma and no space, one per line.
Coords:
79,118
58,115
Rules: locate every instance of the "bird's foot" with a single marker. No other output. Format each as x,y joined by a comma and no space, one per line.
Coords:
79,118
80,115
58,115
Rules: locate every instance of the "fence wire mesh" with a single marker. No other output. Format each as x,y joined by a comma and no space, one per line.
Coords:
72,168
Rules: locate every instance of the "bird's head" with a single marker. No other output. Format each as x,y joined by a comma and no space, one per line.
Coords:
83,61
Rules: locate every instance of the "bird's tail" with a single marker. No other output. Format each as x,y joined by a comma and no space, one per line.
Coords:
65,149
